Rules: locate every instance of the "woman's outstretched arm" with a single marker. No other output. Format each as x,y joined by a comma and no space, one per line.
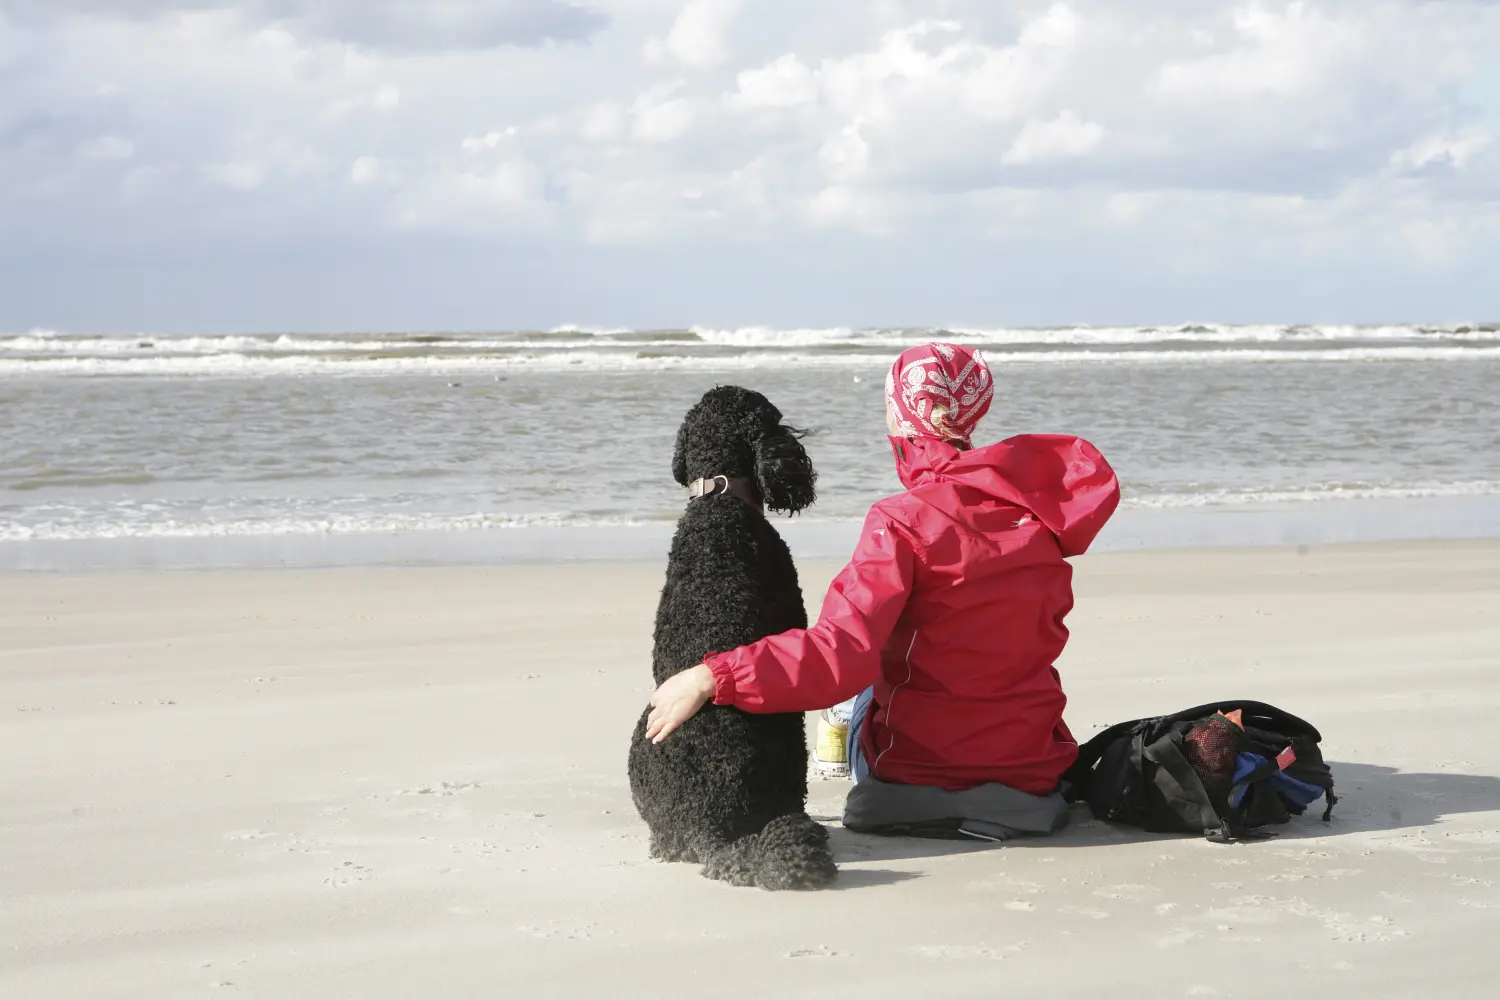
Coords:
807,669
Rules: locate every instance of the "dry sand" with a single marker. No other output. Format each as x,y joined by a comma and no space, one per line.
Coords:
412,784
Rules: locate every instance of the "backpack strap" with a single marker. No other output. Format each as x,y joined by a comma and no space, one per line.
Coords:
1075,780
1256,713
1181,787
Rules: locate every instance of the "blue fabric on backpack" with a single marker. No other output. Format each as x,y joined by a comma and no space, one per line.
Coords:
1295,793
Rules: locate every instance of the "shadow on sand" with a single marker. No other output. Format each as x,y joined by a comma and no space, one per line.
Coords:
1371,799
869,878
1374,798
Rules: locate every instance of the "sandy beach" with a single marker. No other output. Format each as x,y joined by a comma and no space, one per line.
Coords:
404,783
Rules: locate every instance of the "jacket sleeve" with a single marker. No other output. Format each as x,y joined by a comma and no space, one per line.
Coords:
808,669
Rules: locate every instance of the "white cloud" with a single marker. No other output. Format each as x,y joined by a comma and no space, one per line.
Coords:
699,37
489,140
1056,29
784,83
365,171
1065,137
1277,51
387,98
833,205
845,155
1455,151
603,122
480,193
659,115
941,66
507,184
853,209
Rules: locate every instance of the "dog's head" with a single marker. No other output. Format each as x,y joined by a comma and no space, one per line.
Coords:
737,432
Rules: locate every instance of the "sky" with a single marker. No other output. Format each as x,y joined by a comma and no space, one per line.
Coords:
337,165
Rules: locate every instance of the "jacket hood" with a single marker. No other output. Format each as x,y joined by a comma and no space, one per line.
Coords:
1062,480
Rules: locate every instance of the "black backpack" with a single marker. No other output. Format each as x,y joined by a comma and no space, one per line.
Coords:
1226,770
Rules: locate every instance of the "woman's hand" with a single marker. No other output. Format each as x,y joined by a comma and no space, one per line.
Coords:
678,700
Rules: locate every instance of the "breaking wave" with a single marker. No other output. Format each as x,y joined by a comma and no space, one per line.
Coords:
702,348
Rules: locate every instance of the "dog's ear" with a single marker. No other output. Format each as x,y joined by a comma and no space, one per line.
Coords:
783,472
679,456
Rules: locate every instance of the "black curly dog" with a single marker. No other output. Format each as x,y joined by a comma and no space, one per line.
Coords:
729,789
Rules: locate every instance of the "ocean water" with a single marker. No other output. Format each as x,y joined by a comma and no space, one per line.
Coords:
558,443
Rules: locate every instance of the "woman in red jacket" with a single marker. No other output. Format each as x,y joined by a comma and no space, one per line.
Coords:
949,617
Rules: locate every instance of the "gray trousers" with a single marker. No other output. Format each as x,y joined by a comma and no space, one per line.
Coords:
992,812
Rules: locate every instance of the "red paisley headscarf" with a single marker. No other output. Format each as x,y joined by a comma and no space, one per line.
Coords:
939,390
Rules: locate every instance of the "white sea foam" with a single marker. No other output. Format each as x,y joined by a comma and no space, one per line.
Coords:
1216,334
103,527
240,364
1311,494
148,346
352,524
39,345
1202,333
760,336
591,331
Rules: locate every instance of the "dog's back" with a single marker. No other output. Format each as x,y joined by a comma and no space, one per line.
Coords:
730,581
728,789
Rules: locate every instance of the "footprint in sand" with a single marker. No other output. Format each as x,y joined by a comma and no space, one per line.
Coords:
1466,880
1346,927
1127,891
946,952
348,874
555,931
1020,906
1256,913
1085,911
1306,874
1474,836
443,788
1178,936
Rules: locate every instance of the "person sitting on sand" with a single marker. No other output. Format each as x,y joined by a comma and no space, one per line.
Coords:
944,627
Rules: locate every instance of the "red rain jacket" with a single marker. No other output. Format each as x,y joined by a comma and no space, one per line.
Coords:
953,608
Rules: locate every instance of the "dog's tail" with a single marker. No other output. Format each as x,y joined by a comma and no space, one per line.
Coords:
790,853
